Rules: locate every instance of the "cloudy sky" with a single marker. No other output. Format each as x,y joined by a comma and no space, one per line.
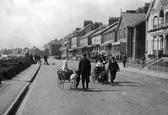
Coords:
28,23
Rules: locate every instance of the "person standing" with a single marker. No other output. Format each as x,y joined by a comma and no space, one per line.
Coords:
46,60
84,68
124,60
113,68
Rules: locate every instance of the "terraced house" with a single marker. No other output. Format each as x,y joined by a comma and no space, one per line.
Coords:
157,28
131,34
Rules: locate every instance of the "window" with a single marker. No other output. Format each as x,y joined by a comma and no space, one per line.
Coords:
120,33
166,18
125,32
155,22
123,47
114,48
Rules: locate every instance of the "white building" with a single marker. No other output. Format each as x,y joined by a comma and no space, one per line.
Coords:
157,28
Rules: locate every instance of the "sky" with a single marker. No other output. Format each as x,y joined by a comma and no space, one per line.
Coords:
29,23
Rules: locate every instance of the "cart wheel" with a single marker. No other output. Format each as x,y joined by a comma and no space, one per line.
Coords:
60,83
93,77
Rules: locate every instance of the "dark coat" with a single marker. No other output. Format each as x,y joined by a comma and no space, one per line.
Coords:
113,66
124,58
84,66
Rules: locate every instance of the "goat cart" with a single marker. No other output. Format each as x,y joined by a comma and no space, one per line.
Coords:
63,77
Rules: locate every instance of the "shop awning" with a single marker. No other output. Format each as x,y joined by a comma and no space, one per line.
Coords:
65,42
93,45
106,43
70,49
119,42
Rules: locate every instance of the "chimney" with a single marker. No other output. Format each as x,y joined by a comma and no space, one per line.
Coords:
86,22
96,25
113,19
146,6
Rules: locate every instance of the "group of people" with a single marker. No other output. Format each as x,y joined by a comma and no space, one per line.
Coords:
84,70
37,59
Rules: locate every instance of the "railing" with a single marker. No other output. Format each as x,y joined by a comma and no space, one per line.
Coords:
156,64
161,66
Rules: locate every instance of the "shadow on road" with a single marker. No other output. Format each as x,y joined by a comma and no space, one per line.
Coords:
124,83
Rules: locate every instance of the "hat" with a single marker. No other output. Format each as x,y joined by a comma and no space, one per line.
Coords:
84,54
112,57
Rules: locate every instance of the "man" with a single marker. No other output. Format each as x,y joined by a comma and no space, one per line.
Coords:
124,60
45,60
113,68
85,69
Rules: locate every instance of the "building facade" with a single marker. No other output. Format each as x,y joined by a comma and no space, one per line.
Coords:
157,28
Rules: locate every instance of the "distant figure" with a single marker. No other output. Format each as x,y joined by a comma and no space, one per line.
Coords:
113,68
46,60
142,62
124,60
65,65
32,59
39,59
84,68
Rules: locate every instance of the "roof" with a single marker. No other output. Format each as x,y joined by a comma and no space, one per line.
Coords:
111,29
131,19
84,28
164,2
90,33
104,28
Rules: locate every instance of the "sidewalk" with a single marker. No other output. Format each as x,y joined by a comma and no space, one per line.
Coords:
12,91
144,71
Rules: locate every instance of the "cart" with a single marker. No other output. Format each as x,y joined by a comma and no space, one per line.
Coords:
63,77
100,75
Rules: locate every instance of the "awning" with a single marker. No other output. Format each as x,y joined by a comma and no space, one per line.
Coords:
70,49
93,45
82,47
119,42
65,42
116,43
106,43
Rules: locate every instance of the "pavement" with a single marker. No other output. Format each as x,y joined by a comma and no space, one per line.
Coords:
147,72
13,91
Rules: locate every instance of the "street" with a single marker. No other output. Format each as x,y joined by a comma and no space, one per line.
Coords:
132,94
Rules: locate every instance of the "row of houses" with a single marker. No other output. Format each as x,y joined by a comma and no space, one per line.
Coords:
132,33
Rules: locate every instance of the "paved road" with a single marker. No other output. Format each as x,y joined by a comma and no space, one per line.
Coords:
133,94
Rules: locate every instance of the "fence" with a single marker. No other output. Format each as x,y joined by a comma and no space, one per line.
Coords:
161,66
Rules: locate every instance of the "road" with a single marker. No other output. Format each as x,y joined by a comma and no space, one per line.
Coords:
132,94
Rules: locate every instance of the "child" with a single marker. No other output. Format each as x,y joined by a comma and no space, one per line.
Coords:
65,65
99,63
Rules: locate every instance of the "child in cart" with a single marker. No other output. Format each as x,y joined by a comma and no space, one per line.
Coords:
65,69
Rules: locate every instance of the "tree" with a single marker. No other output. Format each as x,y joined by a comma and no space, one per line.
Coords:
140,10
